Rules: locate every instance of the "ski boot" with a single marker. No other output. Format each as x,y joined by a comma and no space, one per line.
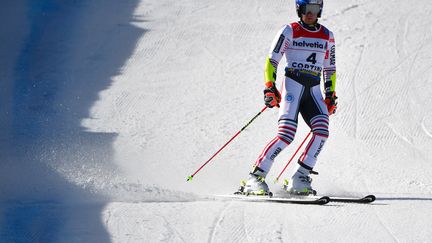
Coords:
301,182
255,185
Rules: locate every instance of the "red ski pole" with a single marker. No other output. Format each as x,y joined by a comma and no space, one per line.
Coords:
259,113
277,178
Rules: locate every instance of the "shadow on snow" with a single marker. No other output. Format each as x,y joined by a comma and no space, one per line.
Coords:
50,165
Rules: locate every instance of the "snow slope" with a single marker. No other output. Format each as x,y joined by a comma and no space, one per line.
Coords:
107,107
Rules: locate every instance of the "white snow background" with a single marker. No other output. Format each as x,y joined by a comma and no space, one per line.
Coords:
106,106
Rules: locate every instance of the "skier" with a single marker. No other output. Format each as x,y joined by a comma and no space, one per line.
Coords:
309,48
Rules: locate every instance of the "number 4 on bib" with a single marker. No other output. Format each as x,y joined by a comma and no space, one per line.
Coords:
312,58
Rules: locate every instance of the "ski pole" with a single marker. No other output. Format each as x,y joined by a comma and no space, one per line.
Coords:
259,113
277,178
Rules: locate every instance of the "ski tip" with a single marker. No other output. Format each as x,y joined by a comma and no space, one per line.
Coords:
189,178
323,200
370,198
366,199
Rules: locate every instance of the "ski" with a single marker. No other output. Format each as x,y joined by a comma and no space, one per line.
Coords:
311,200
366,199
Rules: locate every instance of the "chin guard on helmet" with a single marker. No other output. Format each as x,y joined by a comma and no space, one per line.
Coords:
305,6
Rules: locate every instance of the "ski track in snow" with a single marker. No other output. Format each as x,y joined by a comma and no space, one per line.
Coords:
385,227
217,222
164,83
425,130
355,98
172,231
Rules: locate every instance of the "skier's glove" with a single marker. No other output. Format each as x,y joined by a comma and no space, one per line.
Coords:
330,100
272,97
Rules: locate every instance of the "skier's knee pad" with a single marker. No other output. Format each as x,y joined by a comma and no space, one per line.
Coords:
286,130
319,125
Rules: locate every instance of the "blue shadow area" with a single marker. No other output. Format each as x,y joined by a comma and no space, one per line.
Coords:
50,163
42,227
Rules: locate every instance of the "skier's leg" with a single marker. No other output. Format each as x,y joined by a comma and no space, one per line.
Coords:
292,93
315,114
287,126
320,133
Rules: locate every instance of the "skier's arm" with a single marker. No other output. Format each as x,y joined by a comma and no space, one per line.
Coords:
330,66
330,76
278,47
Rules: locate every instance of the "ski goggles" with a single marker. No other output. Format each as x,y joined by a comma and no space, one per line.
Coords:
312,8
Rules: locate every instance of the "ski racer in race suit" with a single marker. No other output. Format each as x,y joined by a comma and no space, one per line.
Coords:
309,49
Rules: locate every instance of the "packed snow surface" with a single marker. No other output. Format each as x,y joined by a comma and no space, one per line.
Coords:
107,106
